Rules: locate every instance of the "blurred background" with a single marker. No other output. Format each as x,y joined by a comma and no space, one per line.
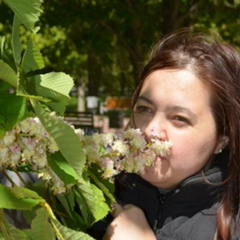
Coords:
102,44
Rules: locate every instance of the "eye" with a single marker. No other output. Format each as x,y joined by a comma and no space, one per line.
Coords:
181,120
142,109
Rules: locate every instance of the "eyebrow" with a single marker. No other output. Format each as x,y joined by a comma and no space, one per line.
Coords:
175,108
192,115
145,99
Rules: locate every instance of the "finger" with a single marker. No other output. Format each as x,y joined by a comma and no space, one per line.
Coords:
128,206
116,210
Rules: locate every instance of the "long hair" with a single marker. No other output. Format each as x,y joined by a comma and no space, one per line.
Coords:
217,65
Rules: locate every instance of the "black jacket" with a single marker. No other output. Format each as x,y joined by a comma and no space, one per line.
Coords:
188,212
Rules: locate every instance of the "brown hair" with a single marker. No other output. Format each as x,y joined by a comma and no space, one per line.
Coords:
217,64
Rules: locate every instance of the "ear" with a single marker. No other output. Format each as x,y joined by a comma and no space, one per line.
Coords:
222,143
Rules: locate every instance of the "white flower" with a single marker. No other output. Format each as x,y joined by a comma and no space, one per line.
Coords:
9,138
120,147
29,143
160,148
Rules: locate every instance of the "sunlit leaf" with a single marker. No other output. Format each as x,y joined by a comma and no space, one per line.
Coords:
7,74
62,168
101,209
107,187
94,199
12,199
52,86
57,81
41,229
16,44
27,12
21,193
65,233
65,137
32,58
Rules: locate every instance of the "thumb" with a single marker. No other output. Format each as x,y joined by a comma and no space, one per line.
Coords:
116,209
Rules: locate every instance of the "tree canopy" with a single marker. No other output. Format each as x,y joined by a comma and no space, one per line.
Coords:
104,43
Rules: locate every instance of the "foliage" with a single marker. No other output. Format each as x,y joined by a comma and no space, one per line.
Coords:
103,44
71,188
28,91
110,39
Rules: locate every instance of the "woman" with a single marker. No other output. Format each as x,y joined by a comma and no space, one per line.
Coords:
189,94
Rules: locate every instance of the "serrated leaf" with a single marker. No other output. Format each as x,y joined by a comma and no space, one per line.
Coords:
69,215
107,187
16,44
41,229
6,54
62,168
68,142
64,233
94,199
10,200
53,86
21,193
12,110
81,200
9,232
32,59
101,209
27,12
7,74
58,81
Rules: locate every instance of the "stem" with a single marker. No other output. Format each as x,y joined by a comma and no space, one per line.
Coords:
8,178
53,220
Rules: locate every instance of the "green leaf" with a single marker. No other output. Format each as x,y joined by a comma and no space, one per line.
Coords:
32,58
58,81
67,140
53,86
105,185
6,54
18,198
69,215
64,233
12,110
101,209
8,231
81,201
94,200
27,11
16,44
41,229
21,193
7,74
62,168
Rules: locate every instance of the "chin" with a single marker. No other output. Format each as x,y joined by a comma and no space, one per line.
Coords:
154,175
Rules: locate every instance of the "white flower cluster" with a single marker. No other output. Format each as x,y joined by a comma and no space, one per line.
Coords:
29,144
123,151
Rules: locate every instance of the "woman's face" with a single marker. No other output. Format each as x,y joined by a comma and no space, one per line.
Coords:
175,104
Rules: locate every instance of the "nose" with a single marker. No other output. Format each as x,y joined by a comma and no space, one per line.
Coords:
156,128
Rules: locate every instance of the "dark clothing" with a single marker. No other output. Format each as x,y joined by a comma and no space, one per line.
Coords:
185,213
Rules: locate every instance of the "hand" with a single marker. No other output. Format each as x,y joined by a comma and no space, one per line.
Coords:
129,224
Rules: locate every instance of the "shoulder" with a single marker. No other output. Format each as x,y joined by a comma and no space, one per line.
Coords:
201,226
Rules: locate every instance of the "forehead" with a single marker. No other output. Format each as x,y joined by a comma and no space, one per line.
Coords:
176,86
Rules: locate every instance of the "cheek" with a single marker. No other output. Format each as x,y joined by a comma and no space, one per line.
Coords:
192,153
